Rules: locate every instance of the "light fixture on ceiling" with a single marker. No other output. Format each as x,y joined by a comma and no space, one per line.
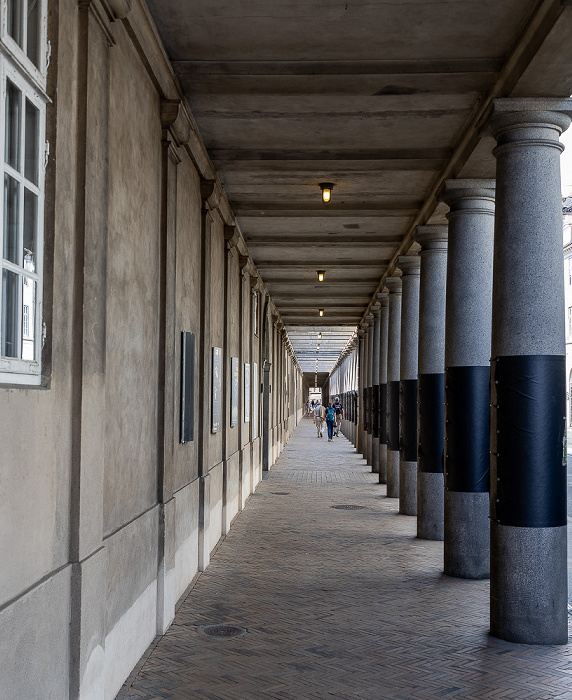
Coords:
321,274
321,312
319,336
326,188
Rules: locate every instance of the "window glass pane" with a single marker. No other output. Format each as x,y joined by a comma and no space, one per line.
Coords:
13,120
31,155
33,32
9,313
15,25
30,228
28,320
11,216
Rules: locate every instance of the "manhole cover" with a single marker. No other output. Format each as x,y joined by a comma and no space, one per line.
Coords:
348,507
222,631
280,493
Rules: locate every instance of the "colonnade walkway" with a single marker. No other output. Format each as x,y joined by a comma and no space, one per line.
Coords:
340,600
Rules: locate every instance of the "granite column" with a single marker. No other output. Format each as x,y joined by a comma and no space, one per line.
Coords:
467,376
430,487
383,329
393,352
375,389
409,266
528,448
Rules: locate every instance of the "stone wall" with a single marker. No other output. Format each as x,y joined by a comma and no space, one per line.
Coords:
107,517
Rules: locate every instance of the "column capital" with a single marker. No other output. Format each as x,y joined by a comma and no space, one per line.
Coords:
369,319
393,284
409,264
383,299
432,237
510,114
361,331
376,309
468,193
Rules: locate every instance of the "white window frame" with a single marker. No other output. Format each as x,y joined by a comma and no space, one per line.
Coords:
30,80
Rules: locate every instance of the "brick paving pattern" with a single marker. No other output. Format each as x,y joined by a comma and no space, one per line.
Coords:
338,604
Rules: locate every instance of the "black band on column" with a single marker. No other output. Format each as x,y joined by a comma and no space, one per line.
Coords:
375,411
408,408
383,414
393,416
467,398
528,450
364,417
431,423
369,408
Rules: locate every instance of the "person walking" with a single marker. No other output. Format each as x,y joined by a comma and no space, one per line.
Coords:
330,421
319,417
339,409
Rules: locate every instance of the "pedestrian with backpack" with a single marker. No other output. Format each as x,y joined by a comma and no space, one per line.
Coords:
319,417
330,421
338,408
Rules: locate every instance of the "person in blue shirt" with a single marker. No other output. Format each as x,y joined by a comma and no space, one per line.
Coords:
330,421
338,408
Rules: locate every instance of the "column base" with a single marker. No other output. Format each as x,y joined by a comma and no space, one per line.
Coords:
392,474
466,535
383,464
375,455
430,506
368,446
407,488
529,586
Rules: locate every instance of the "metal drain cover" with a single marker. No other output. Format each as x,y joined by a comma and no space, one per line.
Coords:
222,631
348,507
280,493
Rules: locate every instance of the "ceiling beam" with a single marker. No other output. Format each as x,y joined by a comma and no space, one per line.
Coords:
396,67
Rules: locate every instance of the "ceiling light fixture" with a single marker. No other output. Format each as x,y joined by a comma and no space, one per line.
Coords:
326,188
319,336
321,312
321,274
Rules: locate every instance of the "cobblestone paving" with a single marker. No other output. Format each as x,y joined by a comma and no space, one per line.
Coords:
338,604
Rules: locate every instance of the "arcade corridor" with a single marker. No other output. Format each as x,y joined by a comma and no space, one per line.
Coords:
337,603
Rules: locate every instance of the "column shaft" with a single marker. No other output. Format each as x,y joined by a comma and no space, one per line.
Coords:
393,353
409,266
433,240
467,376
528,462
383,335
369,393
375,391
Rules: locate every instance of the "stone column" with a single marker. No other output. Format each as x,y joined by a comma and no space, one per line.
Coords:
383,328
433,241
360,432
528,448
467,376
370,330
375,390
409,266
393,352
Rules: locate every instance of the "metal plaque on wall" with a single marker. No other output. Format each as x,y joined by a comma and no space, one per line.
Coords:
187,387
216,401
234,392
246,392
255,402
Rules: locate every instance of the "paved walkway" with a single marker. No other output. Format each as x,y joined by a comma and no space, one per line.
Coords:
338,603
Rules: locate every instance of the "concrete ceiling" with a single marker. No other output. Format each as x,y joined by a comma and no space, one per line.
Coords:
384,99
